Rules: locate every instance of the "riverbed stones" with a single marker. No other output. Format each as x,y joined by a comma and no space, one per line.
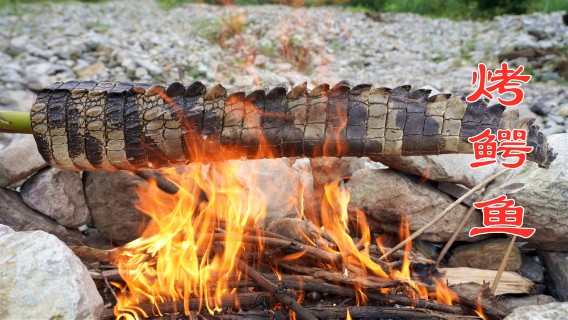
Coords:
277,181
41,278
510,303
59,195
556,264
19,160
111,199
549,311
18,216
387,197
452,168
544,195
486,254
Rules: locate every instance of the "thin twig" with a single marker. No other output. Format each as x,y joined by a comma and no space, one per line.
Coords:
109,286
443,213
503,265
272,288
454,236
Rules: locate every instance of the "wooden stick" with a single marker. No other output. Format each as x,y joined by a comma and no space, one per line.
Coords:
272,288
326,256
85,252
454,236
370,288
443,213
162,183
503,264
374,312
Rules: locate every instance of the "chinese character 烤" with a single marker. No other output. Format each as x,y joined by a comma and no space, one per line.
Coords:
503,80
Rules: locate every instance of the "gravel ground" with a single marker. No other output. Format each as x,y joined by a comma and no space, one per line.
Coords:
239,46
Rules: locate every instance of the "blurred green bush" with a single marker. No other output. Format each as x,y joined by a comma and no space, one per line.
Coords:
453,9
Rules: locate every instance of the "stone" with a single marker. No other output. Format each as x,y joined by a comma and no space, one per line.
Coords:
278,181
92,70
531,268
556,264
21,100
387,196
486,255
544,195
19,160
5,230
510,303
328,169
41,278
18,216
57,194
549,311
111,199
457,191
453,168
150,66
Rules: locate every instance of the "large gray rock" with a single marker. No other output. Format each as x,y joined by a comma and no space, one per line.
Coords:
452,168
5,230
57,194
544,195
556,264
549,311
18,216
328,169
111,198
510,303
19,160
41,278
278,181
387,196
486,255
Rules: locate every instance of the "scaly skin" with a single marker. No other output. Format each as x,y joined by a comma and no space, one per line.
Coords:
126,126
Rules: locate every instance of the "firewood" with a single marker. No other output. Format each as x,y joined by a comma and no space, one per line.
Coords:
511,282
275,290
374,312
243,300
101,255
445,212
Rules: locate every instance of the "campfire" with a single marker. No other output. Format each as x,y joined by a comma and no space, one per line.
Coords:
204,252
207,249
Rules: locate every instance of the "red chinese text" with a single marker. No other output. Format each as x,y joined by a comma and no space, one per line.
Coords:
512,145
500,215
501,80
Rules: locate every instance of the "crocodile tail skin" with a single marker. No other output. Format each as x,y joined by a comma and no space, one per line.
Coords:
110,126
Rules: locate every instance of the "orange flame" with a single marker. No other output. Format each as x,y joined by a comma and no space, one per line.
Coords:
178,257
443,293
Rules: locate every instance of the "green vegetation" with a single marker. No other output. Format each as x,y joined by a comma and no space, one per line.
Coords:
221,29
453,9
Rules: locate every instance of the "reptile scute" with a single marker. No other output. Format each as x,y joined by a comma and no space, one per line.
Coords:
110,126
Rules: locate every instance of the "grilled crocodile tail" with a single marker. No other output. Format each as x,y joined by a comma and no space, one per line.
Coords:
111,126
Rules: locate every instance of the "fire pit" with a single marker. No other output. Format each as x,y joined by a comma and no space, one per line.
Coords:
203,250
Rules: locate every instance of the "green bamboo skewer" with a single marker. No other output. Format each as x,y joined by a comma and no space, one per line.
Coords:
15,122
